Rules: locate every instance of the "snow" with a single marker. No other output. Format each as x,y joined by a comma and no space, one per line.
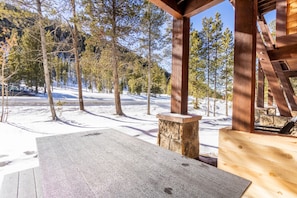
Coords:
18,149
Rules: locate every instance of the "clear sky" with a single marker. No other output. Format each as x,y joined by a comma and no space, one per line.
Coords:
227,15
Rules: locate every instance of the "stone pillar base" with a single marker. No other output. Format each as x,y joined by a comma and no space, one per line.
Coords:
179,133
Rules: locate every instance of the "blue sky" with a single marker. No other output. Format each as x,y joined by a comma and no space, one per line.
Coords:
227,15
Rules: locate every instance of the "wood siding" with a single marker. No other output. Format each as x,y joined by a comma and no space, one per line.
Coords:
292,17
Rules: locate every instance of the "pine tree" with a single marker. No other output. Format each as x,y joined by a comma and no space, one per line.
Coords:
5,50
216,62
152,38
36,7
197,87
75,36
136,77
90,67
207,40
228,62
45,59
115,19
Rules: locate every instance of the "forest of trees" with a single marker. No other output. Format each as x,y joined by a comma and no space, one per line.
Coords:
108,46
211,63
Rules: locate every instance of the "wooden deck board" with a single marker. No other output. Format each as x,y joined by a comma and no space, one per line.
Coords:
26,184
9,187
38,186
107,163
23,184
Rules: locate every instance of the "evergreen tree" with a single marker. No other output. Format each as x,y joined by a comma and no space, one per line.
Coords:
75,41
207,40
152,38
197,87
31,70
45,58
115,19
136,77
90,69
158,85
216,62
228,63
5,50
106,69
37,7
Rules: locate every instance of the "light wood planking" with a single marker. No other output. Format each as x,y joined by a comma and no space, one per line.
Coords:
269,161
292,17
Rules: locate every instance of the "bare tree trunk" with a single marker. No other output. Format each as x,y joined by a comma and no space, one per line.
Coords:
208,80
226,90
3,86
117,97
116,83
149,72
77,66
149,85
45,61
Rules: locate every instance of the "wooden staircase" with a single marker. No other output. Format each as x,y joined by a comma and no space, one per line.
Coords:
278,58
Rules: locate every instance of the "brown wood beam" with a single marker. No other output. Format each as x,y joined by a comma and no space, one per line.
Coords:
283,41
260,90
169,6
266,33
196,6
180,65
283,53
290,73
286,85
281,18
272,78
243,116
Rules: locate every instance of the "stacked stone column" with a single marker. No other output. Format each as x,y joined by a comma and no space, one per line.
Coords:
179,133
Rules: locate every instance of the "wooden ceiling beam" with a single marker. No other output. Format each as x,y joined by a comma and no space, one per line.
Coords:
194,7
266,6
169,6
283,53
286,40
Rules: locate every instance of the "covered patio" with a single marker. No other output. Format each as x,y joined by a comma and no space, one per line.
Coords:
267,159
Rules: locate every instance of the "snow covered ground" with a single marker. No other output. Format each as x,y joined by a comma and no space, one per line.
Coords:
25,123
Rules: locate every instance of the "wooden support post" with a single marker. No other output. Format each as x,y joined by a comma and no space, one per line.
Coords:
244,65
180,61
260,93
